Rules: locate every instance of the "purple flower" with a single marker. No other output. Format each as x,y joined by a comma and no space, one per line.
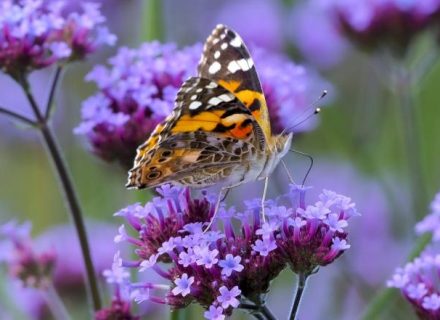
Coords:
206,257
136,92
36,34
289,88
314,32
431,223
23,262
160,222
392,23
183,285
119,309
214,313
419,282
243,255
230,264
229,297
313,235
263,247
117,274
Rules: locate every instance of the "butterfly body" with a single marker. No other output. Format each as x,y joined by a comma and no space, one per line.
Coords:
219,131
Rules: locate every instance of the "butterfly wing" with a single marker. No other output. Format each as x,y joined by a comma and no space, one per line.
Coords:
208,134
227,61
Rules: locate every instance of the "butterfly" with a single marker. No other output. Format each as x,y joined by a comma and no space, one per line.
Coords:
219,131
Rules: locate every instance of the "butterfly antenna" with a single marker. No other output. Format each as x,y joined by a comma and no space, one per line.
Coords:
306,113
310,166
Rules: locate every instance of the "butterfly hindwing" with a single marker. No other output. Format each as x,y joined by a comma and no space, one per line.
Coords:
227,61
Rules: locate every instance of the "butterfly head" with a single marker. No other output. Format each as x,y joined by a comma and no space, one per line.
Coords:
282,144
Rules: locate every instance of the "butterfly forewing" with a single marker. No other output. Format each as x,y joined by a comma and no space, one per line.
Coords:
227,61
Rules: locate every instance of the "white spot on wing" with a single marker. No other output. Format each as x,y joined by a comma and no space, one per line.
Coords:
214,67
211,85
242,64
226,97
217,54
236,42
195,105
214,101
199,90
194,97
223,46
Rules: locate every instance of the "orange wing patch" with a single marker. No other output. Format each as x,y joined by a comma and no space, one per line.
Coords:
253,100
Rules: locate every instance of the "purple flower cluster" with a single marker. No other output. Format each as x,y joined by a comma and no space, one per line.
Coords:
31,268
419,283
138,90
35,34
431,223
222,268
135,94
419,280
380,23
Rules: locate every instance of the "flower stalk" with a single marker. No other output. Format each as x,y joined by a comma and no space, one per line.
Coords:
302,281
65,180
404,92
55,303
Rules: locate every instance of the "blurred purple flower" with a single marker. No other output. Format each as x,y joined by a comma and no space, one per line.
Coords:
419,283
218,267
36,34
314,33
135,93
385,23
138,91
290,89
246,18
22,261
68,273
431,223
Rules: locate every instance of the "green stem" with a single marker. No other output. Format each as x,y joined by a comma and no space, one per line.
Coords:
55,303
153,21
69,192
18,117
404,93
50,104
302,281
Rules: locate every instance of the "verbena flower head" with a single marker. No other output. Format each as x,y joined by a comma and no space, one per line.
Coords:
385,23
313,31
225,266
135,93
138,91
419,282
431,223
31,268
35,34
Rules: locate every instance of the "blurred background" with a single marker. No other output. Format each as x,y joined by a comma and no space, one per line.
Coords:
358,142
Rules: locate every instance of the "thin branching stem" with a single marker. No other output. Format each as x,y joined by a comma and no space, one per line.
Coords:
53,86
302,280
69,191
18,117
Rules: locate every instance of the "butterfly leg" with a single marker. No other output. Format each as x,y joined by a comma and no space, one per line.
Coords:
221,197
288,173
263,198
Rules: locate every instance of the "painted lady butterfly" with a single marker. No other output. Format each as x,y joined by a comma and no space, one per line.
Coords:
219,131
